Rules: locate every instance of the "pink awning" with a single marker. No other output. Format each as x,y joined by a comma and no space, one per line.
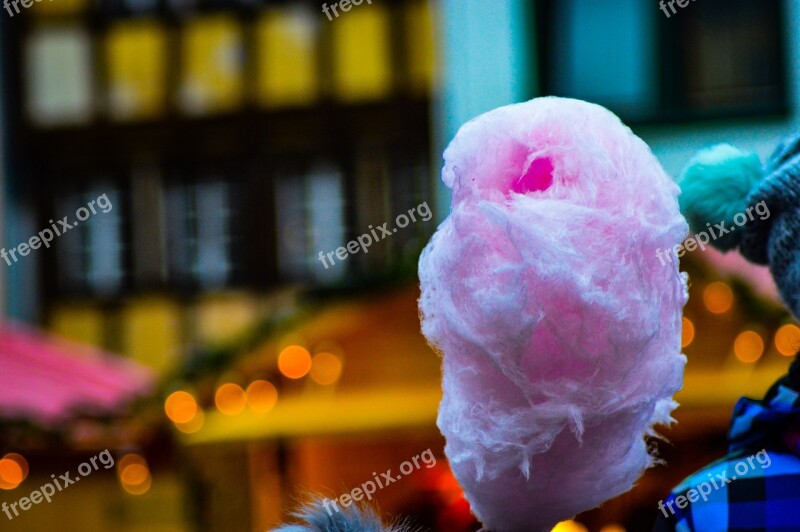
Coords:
46,380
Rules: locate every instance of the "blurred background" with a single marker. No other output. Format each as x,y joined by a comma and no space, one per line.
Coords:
193,331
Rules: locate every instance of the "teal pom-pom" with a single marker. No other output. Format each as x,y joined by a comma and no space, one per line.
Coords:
714,188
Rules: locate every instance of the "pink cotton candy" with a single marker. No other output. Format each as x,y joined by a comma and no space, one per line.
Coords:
558,324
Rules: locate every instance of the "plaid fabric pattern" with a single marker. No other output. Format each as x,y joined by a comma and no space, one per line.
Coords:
756,487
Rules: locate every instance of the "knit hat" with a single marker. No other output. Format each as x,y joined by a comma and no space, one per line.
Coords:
727,194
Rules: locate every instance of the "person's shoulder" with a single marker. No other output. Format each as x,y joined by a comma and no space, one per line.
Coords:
725,490
763,463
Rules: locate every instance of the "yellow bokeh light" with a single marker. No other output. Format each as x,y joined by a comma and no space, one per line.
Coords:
230,399
326,368
612,528
748,346
569,526
687,333
294,362
262,396
180,407
787,339
13,471
718,297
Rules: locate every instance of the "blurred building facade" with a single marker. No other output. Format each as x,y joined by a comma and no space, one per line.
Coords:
205,154
237,140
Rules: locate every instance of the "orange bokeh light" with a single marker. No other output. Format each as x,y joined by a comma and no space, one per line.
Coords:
294,362
230,399
139,489
194,425
13,471
134,474
787,339
262,396
326,368
718,297
21,461
687,333
180,407
129,460
748,347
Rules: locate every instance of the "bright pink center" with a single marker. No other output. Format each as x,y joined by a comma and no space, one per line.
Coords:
539,176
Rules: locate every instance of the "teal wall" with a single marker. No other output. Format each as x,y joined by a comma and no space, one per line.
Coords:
488,51
18,283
